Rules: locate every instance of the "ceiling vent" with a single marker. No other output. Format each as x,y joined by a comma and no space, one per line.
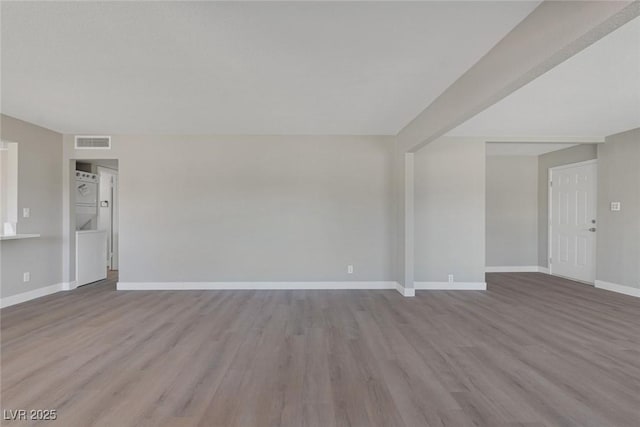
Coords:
93,142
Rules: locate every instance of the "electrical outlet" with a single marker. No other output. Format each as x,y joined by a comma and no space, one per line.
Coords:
451,278
349,269
26,212
615,206
26,276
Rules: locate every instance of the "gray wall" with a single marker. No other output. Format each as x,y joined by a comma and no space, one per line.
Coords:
252,208
39,188
618,238
450,210
512,211
579,153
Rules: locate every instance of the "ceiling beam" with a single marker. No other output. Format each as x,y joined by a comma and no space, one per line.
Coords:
552,33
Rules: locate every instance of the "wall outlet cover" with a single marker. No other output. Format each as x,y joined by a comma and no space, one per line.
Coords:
26,212
26,276
615,206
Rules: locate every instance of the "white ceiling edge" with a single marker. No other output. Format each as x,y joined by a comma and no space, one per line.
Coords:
530,149
545,139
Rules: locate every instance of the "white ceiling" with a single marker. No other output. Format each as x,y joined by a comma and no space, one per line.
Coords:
595,93
238,67
523,148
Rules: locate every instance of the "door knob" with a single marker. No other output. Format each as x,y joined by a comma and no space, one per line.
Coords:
592,229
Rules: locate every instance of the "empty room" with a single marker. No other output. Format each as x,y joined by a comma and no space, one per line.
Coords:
320,213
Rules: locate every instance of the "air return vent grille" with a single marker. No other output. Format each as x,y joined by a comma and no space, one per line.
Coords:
93,142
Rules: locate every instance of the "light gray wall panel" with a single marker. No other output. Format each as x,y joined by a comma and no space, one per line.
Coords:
450,210
512,211
618,235
39,188
253,208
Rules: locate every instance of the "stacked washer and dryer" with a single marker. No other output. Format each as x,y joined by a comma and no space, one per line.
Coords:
91,243
86,200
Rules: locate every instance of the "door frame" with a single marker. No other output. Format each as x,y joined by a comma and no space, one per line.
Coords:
115,220
550,211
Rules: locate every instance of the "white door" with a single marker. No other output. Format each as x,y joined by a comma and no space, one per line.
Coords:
108,212
572,213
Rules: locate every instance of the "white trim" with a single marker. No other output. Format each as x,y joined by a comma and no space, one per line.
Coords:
574,165
18,236
114,230
550,220
406,292
457,286
69,286
621,289
29,295
517,269
547,139
182,286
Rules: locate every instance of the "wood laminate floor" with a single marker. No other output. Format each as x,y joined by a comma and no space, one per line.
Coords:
533,350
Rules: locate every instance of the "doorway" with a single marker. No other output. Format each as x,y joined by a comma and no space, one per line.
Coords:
572,220
95,206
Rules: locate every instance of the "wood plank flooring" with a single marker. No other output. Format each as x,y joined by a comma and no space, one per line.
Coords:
533,350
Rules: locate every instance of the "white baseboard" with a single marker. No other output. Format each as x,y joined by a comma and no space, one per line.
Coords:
407,292
621,289
37,293
69,286
455,286
517,269
182,286
29,295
